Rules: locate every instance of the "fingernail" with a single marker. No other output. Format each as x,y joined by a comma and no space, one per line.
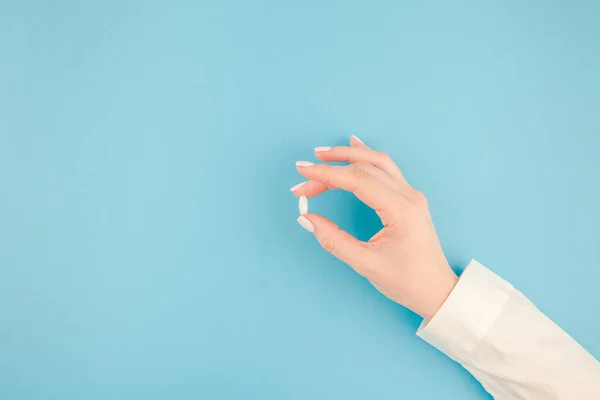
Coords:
304,163
306,224
357,139
298,186
322,148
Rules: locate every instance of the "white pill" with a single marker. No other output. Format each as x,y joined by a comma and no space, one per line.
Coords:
303,205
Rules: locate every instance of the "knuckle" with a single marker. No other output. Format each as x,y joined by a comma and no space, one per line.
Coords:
328,243
328,182
358,172
326,174
383,156
418,198
360,164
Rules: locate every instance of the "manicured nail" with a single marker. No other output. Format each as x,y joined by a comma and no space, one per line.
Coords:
306,224
298,186
322,148
357,139
304,163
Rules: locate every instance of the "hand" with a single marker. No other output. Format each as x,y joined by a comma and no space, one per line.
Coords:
404,260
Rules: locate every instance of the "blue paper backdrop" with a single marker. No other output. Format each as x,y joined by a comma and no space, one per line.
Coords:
148,242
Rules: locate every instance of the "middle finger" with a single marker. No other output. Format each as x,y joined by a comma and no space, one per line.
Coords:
354,154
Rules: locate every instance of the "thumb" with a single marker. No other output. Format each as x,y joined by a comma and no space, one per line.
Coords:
335,241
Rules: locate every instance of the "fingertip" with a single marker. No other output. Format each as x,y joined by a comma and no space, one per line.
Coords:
304,164
298,186
322,225
309,189
306,223
316,219
355,141
318,223
324,155
314,172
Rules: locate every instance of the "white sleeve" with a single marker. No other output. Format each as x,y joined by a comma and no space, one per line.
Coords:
511,347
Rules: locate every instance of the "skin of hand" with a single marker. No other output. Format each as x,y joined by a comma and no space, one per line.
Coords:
404,260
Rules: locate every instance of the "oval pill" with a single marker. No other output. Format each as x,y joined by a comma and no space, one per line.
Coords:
303,205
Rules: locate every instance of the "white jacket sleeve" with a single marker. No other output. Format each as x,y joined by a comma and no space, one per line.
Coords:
511,347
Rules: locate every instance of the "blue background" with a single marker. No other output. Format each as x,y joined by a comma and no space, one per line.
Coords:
149,247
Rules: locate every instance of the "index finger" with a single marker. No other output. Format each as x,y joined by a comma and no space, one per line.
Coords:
353,178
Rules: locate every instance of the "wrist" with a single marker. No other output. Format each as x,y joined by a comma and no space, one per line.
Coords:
438,295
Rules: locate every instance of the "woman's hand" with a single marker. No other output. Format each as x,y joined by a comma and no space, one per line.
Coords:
404,260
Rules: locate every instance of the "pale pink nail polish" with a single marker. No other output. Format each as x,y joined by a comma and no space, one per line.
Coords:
304,163
357,139
306,224
322,148
298,186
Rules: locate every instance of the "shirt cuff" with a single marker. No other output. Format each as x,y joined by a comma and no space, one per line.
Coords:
468,313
